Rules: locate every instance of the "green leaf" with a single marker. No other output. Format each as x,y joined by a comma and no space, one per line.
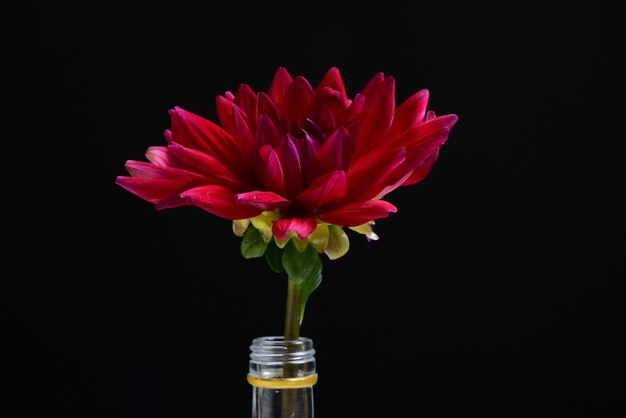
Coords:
252,245
308,286
300,266
273,254
305,270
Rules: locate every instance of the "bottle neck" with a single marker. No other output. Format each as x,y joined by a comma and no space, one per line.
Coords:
282,375
275,358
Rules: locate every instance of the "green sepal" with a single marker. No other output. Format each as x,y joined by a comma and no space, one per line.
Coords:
304,269
252,244
308,286
301,266
273,255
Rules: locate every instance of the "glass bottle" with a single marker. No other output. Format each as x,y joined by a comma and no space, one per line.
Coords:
282,375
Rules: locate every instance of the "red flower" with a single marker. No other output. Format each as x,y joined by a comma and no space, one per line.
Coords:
296,161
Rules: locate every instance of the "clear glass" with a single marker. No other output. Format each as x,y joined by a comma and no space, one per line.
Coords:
276,359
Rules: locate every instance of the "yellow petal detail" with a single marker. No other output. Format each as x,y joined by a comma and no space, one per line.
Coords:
366,229
240,226
300,244
263,223
319,237
280,243
338,242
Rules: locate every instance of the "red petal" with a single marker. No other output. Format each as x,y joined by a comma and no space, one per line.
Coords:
167,134
373,83
414,140
447,121
333,80
371,180
267,107
155,191
417,139
325,117
308,159
262,200
244,135
224,109
146,170
206,165
393,185
246,100
377,116
297,99
271,171
219,201
160,156
358,213
422,170
409,113
193,131
349,145
421,155
314,131
355,109
290,161
325,189
302,227
279,85
420,151
329,154
266,133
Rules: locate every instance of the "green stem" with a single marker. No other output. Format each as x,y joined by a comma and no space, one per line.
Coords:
292,314
292,332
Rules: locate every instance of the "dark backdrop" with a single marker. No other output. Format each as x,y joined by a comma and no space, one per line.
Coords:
493,291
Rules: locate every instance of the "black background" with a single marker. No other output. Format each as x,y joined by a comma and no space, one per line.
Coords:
493,291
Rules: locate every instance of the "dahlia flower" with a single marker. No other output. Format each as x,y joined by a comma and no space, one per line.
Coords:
296,162
293,166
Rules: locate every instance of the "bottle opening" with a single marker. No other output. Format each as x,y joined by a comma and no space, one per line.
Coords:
273,357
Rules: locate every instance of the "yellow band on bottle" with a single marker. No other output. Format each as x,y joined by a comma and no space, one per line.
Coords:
283,382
